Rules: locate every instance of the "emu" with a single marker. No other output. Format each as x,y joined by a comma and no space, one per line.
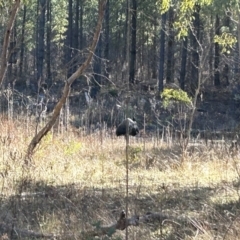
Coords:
132,127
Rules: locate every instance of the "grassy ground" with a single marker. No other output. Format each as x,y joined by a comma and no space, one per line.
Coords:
76,182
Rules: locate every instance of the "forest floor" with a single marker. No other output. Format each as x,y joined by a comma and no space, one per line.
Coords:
77,182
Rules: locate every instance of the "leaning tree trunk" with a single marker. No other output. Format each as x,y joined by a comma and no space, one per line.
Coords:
6,40
66,90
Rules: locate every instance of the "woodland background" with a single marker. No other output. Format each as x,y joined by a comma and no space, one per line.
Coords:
174,66
144,46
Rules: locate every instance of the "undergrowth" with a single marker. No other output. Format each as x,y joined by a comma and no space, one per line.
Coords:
76,180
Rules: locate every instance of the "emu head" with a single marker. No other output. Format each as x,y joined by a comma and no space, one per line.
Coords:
132,127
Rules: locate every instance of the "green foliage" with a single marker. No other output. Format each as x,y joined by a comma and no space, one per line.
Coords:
177,95
59,19
226,40
134,154
163,5
185,10
72,148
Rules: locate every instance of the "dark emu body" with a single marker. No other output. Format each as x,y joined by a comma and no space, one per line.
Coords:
132,128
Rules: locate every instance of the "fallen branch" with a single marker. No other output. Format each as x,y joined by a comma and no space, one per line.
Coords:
124,222
121,224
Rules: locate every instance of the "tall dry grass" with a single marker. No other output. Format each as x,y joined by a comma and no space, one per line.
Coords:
77,181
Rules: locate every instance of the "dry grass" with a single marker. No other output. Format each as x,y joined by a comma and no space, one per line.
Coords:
76,181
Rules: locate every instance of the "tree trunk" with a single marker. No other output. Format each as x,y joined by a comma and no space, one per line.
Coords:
97,69
41,37
133,53
48,47
183,63
211,52
5,53
162,53
38,137
195,34
81,45
106,38
22,43
217,55
69,39
170,54
154,52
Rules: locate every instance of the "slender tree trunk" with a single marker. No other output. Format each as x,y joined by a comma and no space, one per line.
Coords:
126,48
41,38
75,37
226,68
211,52
5,53
195,34
154,52
133,53
97,67
69,39
106,38
81,45
22,43
48,47
183,63
126,34
170,54
162,53
217,55
238,37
